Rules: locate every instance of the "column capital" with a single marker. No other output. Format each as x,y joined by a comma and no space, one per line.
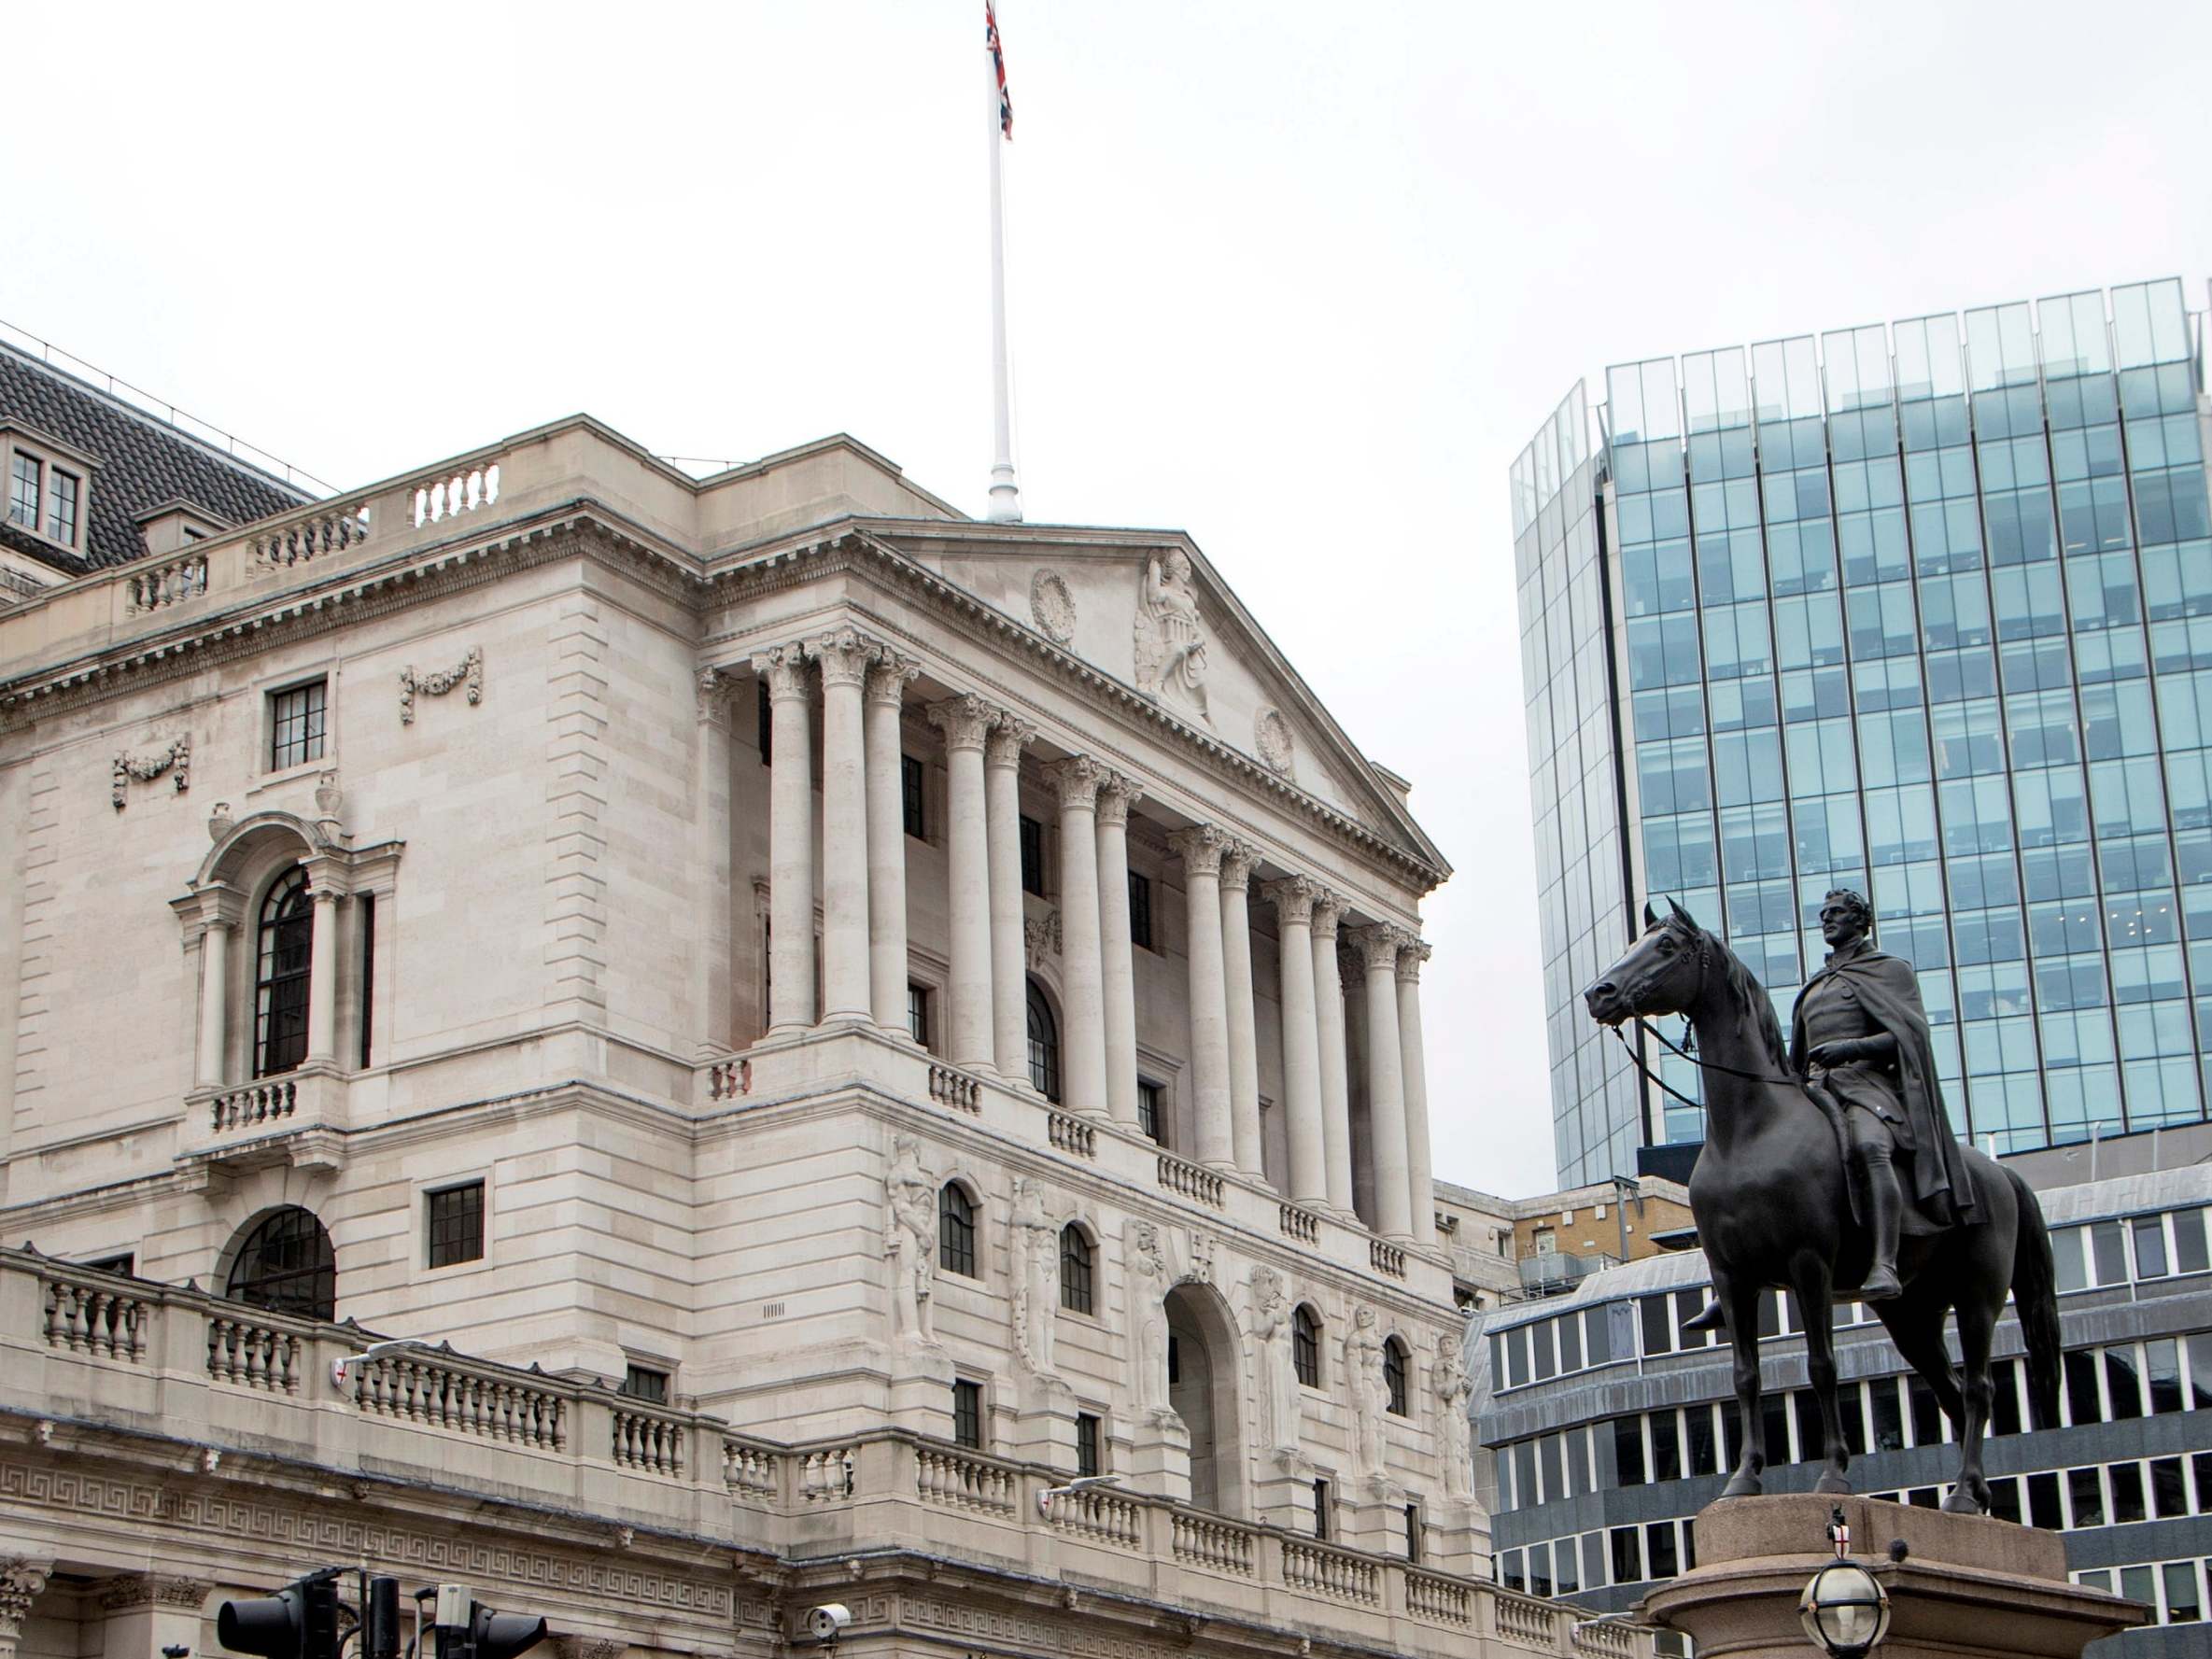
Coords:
845,653
1200,846
1292,897
129,1590
965,720
1412,953
1378,944
713,687
21,1579
1077,779
1329,908
1009,735
889,676
785,668
1117,792
1237,859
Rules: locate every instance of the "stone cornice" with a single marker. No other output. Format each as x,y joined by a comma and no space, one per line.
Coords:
487,551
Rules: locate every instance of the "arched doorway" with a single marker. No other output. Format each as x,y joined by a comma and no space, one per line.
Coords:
1203,1390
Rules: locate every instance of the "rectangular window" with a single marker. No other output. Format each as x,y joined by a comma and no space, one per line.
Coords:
642,1381
2127,1493
2169,1492
1666,1446
296,725
1660,1559
2151,1246
764,722
22,491
2066,1245
2123,1387
1540,1569
1658,1325
1413,1533
909,797
1598,1336
2162,1370
1570,1343
1324,1511
2085,1492
2110,1251
2083,1403
367,902
2184,1606
1628,1450
1140,911
1510,1572
2189,1255
918,1013
455,1220
968,1414
61,507
1149,1096
1627,1557
1033,856
1087,1453
2043,1503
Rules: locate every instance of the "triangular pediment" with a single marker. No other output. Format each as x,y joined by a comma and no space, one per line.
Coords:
1146,609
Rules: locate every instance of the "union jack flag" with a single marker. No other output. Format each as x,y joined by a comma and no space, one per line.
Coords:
998,62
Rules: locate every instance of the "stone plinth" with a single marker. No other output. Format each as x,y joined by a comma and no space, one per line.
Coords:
1968,1585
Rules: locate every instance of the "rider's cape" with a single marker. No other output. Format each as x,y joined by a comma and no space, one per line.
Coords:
1942,1189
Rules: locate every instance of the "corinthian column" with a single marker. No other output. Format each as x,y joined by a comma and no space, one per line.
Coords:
965,721
20,1581
1294,901
1336,1100
1420,1176
844,654
1117,970
887,684
790,840
711,895
1200,847
1083,1036
1378,949
1244,1038
1010,981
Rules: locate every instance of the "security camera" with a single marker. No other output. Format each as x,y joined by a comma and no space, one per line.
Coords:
825,1622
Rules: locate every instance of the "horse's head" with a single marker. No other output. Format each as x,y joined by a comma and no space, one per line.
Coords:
1662,973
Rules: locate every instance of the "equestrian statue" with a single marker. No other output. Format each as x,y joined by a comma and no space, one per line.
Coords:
1829,1165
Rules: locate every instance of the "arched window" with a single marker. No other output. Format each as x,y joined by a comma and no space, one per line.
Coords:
1394,1374
1043,1046
284,942
286,1264
1075,1269
1306,1346
956,1231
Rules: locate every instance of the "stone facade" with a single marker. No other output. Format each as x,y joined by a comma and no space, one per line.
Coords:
669,945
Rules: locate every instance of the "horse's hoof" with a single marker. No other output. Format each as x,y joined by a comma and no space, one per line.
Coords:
1968,1498
1743,1486
1833,1483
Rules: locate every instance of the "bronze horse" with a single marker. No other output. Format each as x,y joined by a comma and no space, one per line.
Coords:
1773,1207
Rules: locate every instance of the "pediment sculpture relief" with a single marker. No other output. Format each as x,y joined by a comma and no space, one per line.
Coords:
1170,635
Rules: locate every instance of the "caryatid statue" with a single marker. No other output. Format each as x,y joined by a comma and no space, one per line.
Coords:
1036,1276
1147,1317
910,1241
1272,1317
1452,1386
1370,1390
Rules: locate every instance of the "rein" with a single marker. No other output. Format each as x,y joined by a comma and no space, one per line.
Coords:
1684,1051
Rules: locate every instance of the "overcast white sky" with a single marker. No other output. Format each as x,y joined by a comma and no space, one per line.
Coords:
1301,278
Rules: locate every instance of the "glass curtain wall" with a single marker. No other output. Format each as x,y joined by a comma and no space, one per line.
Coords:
1925,611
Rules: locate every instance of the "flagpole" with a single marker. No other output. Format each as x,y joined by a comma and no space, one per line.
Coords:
1006,494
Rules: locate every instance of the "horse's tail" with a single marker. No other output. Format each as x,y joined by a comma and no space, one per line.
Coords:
2034,1298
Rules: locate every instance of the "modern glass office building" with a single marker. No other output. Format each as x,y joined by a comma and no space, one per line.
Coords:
1923,609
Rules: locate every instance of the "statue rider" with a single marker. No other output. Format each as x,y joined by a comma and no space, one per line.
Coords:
1859,1042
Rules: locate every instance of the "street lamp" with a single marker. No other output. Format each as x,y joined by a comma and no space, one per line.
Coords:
1845,1611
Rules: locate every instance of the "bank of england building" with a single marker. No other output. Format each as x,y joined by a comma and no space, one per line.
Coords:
819,1024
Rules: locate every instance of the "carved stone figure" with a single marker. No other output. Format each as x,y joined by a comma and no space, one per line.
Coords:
1455,1436
1147,1317
1370,1394
910,1241
1279,1415
1036,1276
1170,638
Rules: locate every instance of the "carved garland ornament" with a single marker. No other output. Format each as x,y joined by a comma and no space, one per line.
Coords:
1040,935
1272,741
175,759
469,671
1051,607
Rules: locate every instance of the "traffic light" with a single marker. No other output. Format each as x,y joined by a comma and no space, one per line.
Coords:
465,1628
299,1622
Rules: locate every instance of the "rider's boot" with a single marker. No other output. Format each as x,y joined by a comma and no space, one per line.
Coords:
1712,1317
1886,1202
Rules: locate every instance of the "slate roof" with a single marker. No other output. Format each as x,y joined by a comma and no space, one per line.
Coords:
143,463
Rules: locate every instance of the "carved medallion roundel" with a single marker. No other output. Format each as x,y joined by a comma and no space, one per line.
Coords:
1271,737
1052,607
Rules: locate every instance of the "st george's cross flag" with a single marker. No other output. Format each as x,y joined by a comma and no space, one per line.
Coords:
998,62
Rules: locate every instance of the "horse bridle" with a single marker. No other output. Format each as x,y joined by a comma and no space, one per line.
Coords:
1685,1050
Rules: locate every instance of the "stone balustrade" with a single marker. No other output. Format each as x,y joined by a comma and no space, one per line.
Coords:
253,1107
951,1087
1186,1179
1072,1135
154,587
299,540
109,1345
1386,1257
1303,1226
